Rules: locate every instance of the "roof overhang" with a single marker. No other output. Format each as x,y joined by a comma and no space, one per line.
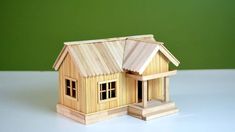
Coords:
60,58
151,77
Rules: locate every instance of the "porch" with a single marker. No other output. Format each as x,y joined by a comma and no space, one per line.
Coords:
154,109
146,108
144,85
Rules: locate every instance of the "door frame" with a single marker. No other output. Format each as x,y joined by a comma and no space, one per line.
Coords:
137,92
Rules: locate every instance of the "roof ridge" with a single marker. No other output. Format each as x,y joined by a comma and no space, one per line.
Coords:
107,39
147,41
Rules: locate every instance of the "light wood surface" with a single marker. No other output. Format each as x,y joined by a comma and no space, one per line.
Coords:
166,89
144,94
153,110
68,69
158,64
93,117
153,76
123,60
94,58
138,37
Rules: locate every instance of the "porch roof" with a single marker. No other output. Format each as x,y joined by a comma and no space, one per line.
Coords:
153,76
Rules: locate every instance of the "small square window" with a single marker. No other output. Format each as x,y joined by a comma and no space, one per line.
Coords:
70,88
107,90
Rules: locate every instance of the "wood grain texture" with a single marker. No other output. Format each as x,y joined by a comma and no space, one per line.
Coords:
125,92
144,94
68,69
90,118
158,64
157,88
93,62
94,58
88,88
166,89
150,77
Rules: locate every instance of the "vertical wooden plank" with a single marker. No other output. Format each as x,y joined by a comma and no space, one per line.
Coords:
61,85
136,91
133,91
149,87
87,95
83,95
95,89
120,91
127,91
117,103
166,89
124,91
144,94
160,87
92,92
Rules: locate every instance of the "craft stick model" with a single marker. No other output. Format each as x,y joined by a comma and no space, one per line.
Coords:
104,78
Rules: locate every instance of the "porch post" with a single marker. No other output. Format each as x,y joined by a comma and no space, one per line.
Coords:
136,91
166,89
144,94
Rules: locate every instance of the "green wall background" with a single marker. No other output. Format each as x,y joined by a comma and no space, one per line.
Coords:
200,33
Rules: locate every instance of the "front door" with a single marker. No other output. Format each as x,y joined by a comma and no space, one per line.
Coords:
139,88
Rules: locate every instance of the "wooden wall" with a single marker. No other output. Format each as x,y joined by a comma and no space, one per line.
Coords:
158,64
68,69
156,87
125,92
87,101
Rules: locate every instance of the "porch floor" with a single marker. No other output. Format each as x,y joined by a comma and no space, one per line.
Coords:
154,109
150,104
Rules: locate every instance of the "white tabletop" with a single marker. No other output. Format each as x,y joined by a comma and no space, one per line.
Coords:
206,99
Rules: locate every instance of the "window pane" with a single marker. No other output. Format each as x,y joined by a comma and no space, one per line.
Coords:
70,88
113,84
73,84
103,86
103,96
67,91
74,93
67,82
113,94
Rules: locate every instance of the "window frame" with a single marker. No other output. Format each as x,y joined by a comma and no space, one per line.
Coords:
71,88
107,90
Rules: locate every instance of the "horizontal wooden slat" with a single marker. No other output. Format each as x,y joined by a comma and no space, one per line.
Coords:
150,77
109,39
107,56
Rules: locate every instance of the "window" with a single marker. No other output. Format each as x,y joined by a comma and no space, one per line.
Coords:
107,90
70,87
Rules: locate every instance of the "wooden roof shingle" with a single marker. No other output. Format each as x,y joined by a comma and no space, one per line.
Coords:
106,56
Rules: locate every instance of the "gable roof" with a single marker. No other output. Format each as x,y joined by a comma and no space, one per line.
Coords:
105,56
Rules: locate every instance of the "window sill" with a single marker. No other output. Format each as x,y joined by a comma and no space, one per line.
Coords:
107,100
69,97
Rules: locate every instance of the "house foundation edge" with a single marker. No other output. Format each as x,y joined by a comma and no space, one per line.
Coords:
95,117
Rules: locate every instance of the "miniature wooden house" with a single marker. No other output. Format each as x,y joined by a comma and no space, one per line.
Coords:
104,78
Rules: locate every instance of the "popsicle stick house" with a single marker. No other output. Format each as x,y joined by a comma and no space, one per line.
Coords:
99,79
